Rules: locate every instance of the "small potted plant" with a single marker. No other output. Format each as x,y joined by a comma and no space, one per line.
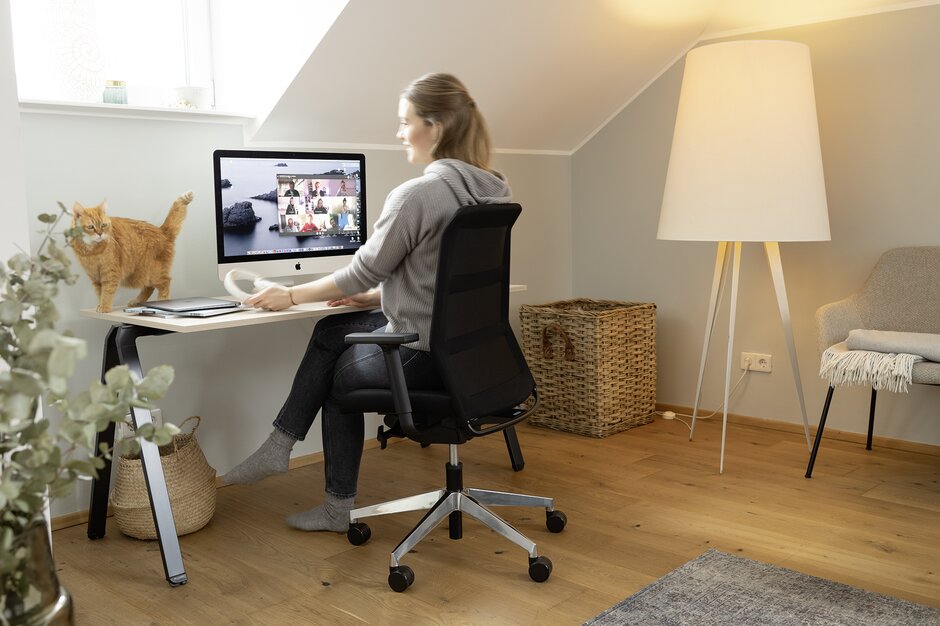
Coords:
40,461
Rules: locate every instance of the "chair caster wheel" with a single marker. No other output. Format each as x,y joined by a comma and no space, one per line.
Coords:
555,521
358,533
540,568
401,577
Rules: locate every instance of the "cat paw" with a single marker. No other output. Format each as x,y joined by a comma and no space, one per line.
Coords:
187,197
103,309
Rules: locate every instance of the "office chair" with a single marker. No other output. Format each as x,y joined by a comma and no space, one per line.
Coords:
901,294
486,383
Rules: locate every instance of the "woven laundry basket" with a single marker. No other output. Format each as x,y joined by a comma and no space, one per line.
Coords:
594,363
189,479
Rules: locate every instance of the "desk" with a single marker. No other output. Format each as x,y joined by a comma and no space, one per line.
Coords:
120,348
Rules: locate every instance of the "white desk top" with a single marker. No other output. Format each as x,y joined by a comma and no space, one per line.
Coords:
230,320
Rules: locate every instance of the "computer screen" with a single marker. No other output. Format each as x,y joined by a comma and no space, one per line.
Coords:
284,213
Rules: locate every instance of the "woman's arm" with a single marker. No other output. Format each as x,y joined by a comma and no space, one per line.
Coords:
278,297
368,300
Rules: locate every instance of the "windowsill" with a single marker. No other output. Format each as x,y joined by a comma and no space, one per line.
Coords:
130,111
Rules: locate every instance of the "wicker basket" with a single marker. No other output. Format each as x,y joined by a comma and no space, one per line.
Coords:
594,363
189,479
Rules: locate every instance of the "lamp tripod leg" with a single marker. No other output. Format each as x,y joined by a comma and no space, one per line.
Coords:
772,248
735,274
721,260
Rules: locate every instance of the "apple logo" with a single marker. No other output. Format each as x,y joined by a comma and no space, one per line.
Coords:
297,266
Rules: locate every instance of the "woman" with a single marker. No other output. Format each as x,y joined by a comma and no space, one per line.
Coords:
440,127
308,227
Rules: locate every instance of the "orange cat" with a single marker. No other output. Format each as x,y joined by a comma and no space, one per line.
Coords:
130,253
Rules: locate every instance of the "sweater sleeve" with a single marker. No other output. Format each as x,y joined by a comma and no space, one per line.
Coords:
395,235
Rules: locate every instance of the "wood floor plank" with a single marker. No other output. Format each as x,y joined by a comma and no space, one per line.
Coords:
639,504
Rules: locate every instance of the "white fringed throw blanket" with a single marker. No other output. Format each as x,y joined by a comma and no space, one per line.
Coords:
879,358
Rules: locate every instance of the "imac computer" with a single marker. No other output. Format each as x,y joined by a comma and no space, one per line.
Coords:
288,213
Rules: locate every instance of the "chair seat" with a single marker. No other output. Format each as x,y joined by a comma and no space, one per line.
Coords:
432,412
924,372
428,402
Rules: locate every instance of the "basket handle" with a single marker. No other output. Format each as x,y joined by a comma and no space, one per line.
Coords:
192,432
547,351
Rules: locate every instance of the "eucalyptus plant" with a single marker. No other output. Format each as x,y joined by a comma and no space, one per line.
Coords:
40,461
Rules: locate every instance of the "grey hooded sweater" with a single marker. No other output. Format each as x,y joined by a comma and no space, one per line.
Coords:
402,253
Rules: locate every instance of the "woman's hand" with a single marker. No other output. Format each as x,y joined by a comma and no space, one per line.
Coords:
368,300
274,298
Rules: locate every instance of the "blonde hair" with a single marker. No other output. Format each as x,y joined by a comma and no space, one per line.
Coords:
443,99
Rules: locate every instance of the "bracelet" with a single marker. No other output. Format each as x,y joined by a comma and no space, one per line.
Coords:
290,294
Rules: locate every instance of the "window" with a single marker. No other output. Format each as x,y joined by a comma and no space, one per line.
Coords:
152,53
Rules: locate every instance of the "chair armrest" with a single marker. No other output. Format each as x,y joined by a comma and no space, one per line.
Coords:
834,321
382,339
391,344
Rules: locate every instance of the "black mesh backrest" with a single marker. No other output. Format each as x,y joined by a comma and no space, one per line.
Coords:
476,351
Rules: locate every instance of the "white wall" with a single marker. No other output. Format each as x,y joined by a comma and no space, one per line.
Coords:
258,48
878,93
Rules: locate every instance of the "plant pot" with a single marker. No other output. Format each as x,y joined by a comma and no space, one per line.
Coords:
40,599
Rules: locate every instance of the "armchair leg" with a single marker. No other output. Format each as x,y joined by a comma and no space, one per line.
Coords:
819,432
871,417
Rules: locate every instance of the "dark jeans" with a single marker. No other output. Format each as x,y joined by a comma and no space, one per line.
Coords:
328,369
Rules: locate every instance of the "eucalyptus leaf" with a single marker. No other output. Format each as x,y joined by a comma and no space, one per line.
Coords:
118,377
10,312
25,382
146,431
99,392
64,355
43,340
19,407
94,412
86,468
48,218
19,263
156,382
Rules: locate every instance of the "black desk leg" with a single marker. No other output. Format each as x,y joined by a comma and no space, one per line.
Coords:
121,349
98,508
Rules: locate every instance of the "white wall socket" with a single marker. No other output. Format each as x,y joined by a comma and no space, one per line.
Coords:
759,362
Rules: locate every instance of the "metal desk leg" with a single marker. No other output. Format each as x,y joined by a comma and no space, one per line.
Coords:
121,349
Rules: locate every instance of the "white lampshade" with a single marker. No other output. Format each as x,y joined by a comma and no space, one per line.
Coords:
745,162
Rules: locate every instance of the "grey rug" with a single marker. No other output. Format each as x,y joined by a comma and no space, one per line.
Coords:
718,588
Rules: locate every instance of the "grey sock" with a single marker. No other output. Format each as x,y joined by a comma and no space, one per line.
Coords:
271,458
333,515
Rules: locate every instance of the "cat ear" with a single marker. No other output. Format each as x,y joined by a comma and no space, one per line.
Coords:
104,205
77,210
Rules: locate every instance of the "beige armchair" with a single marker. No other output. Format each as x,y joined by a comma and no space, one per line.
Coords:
901,294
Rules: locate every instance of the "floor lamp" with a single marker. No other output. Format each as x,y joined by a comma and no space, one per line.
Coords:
746,166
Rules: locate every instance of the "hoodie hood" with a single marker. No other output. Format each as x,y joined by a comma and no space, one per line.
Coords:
471,184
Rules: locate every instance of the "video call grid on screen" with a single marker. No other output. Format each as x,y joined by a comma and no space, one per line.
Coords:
289,204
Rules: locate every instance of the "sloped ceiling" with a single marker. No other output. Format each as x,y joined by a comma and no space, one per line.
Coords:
546,73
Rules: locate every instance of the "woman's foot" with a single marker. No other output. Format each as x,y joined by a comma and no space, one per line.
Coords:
333,515
273,457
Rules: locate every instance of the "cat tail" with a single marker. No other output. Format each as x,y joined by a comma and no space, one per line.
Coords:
174,219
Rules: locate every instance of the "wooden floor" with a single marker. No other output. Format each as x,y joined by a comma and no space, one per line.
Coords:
639,504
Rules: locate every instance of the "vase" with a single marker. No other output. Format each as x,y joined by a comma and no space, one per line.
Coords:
47,602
